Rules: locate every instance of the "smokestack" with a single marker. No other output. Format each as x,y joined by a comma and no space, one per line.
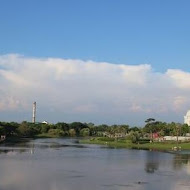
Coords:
34,113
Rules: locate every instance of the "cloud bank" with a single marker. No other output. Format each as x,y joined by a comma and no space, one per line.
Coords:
70,90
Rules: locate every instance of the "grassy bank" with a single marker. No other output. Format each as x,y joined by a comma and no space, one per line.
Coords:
128,144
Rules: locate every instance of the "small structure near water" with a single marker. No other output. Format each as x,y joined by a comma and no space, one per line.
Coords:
45,122
3,137
176,138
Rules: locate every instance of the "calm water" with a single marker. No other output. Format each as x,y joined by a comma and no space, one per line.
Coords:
62,164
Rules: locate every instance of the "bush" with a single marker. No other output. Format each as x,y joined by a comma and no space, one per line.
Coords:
133,136
85,132
56,132
72,132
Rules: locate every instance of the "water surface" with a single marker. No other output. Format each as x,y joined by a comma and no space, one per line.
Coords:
63,164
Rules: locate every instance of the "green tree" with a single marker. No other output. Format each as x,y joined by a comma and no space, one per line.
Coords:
56,132
184,129
77,126
72,132
134,136
25,130
45,128
85,132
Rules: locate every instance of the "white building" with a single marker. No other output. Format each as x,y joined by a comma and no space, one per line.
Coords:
45,122
187,118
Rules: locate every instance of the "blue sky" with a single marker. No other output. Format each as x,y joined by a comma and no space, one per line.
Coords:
123,31
101,61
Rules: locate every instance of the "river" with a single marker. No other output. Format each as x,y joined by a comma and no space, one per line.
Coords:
63,164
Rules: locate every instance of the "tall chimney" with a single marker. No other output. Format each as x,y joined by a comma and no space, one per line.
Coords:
34,113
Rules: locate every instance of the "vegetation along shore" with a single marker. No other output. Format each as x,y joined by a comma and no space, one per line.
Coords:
154,135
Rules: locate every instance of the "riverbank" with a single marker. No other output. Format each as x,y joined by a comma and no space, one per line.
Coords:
129,145
119,143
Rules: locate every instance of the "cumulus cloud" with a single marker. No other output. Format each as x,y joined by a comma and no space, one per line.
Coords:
68,90
180,78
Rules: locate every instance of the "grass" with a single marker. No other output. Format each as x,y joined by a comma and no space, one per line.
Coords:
128,144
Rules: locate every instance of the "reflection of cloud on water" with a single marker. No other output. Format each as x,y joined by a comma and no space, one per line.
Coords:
17,176
90,169
182,185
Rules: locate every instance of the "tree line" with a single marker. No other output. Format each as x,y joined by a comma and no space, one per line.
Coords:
61,129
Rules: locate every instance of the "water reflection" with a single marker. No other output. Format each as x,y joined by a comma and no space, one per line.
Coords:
180,160
152,162
8,148
12,151
63,164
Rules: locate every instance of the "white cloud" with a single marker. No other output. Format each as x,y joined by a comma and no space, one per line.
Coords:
180,78
90,90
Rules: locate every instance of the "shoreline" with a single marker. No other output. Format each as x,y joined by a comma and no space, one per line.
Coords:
160,146
168,146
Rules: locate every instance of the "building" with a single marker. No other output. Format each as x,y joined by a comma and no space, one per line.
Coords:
45,122
187,118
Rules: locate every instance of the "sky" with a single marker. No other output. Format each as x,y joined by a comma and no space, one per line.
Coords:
100,61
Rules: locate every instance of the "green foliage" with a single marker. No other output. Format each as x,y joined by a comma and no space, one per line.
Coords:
184,129
72,132
45,128
134,129
2,130
85,132
77,126
24,130
107,139
134,136
56,132
62,126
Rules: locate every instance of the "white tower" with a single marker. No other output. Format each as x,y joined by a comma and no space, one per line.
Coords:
187,118
34,113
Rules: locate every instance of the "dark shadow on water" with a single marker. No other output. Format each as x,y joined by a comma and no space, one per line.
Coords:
13,151
118,185
152,162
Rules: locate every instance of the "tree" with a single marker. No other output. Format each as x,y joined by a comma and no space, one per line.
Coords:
25,130
77,126
134,136
56,132
150,126
184,129
85,132
2,130
45,128
72,132
63,126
